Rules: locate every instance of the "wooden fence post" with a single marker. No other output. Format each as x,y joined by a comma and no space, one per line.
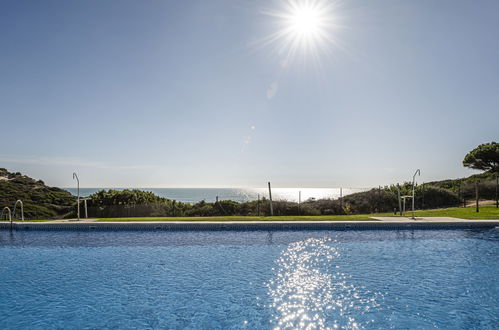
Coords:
476,193
270,199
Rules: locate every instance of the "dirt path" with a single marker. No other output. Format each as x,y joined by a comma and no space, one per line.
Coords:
486,202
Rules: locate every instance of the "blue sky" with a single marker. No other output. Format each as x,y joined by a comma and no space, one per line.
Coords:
187,94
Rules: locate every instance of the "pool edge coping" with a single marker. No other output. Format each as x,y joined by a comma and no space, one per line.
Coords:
253,225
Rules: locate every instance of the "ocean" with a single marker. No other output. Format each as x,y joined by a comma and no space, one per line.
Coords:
194,195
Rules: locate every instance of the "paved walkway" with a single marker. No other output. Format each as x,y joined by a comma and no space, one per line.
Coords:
423,219
71,220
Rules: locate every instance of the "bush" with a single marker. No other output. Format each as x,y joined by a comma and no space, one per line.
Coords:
435,197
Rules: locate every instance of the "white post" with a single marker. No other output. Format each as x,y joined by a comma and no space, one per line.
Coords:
78,189
86,211
299,197
413,180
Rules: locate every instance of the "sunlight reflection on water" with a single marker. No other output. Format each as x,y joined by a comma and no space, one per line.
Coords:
308,290
194,195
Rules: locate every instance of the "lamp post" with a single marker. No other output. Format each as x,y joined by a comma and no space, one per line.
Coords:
78,190
413,182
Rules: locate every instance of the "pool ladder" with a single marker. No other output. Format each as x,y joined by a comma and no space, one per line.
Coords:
9,214
12,215
22,209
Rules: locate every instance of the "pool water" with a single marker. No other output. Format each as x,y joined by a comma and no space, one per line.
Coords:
250,279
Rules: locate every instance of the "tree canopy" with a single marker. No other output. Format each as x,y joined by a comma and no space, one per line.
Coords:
485,157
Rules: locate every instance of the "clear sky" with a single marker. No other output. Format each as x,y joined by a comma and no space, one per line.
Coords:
198,94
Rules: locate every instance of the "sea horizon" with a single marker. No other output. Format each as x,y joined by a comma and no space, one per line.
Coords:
194,195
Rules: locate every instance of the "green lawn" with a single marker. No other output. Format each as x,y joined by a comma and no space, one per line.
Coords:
486,212
359,217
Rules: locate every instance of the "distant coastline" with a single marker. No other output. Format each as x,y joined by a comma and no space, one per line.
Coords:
194,195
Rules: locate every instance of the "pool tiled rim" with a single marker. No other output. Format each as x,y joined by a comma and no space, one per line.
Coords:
254,225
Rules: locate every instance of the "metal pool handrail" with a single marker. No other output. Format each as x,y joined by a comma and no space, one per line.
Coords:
10,215
22,209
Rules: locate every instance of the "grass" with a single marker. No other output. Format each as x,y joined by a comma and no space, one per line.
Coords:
489,212
486,212
357,217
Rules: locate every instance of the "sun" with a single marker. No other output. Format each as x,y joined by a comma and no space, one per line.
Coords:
303,27
305,21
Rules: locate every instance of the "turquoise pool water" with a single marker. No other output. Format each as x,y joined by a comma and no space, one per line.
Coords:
250,279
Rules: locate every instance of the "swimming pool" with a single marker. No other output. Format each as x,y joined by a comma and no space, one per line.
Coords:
249,279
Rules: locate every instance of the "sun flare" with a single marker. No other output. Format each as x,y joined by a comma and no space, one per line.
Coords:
305,21
303,26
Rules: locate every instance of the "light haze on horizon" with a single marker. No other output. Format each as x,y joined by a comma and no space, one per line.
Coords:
187,94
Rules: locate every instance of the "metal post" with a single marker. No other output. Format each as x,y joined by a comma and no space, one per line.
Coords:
413,189
270,199
476,195
78,189
299,197
400,201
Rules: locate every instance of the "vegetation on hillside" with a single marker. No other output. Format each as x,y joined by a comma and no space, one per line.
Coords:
465,187
39,200
485,157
